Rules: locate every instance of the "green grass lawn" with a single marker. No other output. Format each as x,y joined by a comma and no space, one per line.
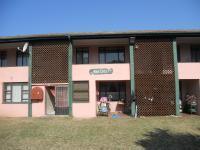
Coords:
100,133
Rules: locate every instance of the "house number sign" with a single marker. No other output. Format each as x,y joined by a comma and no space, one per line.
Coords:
100,71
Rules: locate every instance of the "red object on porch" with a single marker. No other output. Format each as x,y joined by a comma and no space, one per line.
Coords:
37,94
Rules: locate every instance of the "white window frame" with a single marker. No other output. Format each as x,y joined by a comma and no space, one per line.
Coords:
10,92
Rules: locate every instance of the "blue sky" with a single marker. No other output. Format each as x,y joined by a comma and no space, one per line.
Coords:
18,17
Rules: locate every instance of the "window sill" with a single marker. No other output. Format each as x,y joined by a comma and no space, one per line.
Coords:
80,101
15,103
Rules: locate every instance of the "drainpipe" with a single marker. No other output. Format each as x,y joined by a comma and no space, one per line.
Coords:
132,76
70,55
30,81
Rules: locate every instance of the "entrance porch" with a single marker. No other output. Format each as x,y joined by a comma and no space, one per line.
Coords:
117,94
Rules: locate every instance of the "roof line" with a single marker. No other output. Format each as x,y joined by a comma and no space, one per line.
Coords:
85,35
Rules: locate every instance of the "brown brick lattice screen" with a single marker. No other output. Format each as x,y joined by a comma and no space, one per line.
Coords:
154,77
50,62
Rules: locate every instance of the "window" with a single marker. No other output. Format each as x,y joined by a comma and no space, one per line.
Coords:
81,91
3,58
115,90
178,53
109,55
82,56
195,53
16,92
22,58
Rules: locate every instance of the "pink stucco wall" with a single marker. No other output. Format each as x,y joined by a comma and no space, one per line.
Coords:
13,74
18,74
38,108
189,70
81,73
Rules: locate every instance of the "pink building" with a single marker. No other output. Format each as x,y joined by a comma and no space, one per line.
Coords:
146,73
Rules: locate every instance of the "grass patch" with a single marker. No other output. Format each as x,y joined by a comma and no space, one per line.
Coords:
100,133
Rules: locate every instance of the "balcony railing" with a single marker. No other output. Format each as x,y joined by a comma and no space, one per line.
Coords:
189,70
101,71
14,74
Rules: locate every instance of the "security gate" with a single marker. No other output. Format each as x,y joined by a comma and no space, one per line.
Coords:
154,77
61,100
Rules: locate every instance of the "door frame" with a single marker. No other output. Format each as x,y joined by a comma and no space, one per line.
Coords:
55,85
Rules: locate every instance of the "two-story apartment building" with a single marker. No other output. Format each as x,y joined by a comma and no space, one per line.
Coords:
67,74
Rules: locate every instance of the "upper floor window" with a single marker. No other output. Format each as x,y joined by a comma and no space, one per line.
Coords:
82,56
3,58
178,53
195,53
16,92
109,55
22,58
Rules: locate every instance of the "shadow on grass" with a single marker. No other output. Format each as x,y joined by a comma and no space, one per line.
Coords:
160,139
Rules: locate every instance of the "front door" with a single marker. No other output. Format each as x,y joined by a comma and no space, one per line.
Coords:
61,100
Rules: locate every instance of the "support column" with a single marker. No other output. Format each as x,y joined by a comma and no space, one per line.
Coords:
132,75
198,102
70,86
176,76
30,81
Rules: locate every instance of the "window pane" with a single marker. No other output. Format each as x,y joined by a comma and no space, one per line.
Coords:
195,53
101,58
3,59
178,53
113,87
113,95
115,90
3,62
25,96
102,94
112,57
16,93
103,87
8,100
25,87
25,100
85,58
19,60
80,86
8,96
79,59
8,87
22,59
81,96
81,91
121,57
122,95
82,56
25,59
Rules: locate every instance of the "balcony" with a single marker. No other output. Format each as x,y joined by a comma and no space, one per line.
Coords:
188,57
189,70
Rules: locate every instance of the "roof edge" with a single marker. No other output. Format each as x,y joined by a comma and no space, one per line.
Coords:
84,35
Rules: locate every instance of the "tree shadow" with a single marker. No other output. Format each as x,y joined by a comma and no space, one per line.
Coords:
160,139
